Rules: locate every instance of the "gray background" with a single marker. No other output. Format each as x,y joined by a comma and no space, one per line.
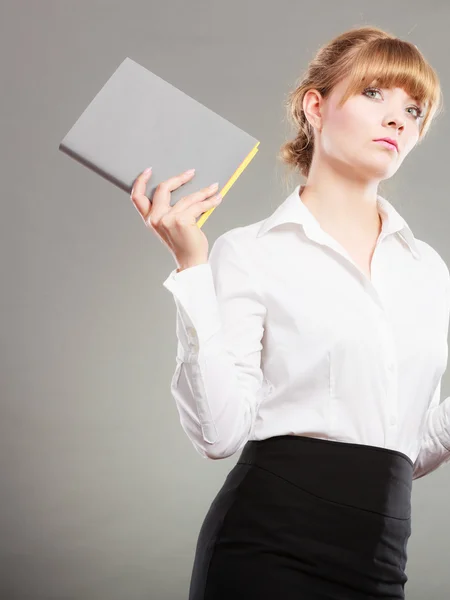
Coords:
101,493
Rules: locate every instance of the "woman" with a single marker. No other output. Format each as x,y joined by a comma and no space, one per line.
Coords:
315,341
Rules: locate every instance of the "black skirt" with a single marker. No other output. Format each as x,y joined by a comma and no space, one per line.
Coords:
300,518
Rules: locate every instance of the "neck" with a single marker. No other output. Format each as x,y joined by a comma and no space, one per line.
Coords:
342,203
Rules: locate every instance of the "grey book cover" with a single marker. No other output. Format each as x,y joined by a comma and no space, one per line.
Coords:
138,119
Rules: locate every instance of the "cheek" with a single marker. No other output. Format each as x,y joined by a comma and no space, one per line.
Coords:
342,135
412,141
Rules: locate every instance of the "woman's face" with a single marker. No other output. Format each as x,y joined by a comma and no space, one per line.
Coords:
348,132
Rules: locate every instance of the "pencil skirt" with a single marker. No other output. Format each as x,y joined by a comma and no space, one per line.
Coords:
307,519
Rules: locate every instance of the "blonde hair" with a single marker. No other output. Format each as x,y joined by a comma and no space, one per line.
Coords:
365,54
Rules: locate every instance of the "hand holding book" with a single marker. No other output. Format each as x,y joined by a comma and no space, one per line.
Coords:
176,226
137,119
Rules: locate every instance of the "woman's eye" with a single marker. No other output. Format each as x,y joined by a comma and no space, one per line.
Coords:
369,90
419,112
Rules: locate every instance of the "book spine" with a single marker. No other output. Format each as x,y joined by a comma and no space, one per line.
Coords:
244,164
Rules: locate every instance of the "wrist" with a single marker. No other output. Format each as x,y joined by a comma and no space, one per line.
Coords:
184,266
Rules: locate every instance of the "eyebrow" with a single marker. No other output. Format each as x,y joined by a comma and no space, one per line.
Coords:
414,99
421,104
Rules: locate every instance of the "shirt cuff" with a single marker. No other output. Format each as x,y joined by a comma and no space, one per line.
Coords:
196,300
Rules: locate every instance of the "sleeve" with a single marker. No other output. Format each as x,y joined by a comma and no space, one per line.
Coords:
435,443
218,382
435,446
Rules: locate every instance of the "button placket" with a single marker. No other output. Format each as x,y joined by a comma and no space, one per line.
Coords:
391,379
392,383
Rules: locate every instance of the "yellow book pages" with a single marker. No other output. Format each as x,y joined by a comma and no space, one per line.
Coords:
229,183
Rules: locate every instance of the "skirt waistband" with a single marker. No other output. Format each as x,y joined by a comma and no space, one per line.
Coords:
357,475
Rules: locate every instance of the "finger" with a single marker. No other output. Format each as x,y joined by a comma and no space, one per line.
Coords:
191,215
138,197
175,182
161,197
195,197
206,207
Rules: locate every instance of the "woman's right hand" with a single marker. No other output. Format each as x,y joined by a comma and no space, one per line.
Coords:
176,225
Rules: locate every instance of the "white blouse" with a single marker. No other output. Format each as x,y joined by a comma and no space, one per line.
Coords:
282,333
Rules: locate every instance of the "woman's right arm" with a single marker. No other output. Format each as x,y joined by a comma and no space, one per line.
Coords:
218,382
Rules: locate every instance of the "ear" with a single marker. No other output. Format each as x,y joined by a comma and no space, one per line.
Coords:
312,102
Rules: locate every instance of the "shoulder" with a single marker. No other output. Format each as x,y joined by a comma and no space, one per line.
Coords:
234,256
239,238
433,260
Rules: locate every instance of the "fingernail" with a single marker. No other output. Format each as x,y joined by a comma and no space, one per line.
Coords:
147,170
190,172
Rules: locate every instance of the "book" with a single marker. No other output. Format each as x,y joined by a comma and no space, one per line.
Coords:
138,119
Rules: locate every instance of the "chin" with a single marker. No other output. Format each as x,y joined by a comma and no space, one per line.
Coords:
382,169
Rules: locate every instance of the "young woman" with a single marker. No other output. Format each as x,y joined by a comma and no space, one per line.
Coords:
315,342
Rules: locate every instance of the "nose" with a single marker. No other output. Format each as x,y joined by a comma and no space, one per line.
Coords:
397,122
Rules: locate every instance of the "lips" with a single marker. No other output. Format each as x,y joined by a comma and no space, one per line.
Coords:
388,142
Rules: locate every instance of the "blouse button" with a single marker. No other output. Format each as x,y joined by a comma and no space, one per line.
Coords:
193,338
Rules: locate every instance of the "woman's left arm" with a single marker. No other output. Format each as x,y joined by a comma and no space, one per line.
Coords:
435,446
